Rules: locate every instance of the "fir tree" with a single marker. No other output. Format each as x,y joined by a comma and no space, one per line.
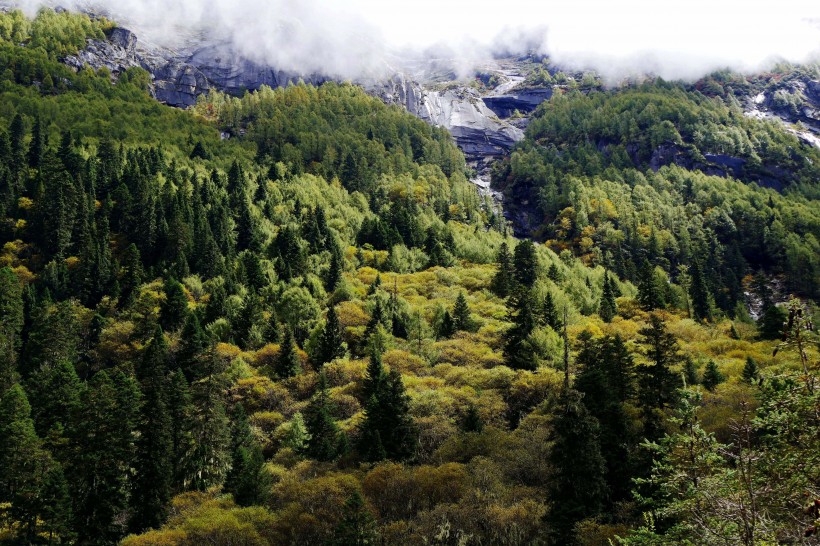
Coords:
690,372
174,309
518,353
181,413
20,447
525,263
447,326
578,486
297,436
657,383
462,321
323,433
472,421
608,307
11,327
551,317
650,292
211,456
771,323
287,361
712,376
192,344
331,342
699,292
357,527
750,370
154,465
248,481
504,278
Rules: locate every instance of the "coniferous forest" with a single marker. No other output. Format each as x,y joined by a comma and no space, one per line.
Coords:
317,331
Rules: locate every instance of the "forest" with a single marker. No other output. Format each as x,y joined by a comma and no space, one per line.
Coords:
289,318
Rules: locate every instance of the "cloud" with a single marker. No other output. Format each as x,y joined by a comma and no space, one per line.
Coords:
358,38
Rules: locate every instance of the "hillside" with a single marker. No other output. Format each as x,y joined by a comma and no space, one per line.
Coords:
316,331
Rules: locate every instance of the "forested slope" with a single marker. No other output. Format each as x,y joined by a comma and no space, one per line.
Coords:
316,332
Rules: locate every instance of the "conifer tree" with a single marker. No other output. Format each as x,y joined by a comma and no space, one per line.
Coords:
154,466
11,327
211,456
323,433
192,344
699,292
551,317
578,487
447,326
690,372
287,361
56,511
657,383
20,447
462,321
55,397
357,527
181,413
712,376
132,275
608,308
331,342
504,278
472,421
750,370
297,437
650,293
103,440
517,351
174,309
525,263
771,323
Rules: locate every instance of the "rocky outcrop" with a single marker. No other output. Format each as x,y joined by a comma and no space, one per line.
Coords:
117,53
522,101
477,130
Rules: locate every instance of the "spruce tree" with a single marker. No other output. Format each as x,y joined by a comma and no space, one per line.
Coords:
323,433
750,370
503,280
248,481
11,327
211,456
154,465
608,307
174,309
650,292
192,345
699,292
551,317
357,527
657,383
525,263
462,321
331,342
690,372
20,447
287,361
472,421
578,486
518,354
712,376
181,413
771,323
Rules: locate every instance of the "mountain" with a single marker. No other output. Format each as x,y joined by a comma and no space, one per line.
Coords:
288,317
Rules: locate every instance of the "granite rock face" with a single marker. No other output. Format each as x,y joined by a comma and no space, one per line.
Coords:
477,130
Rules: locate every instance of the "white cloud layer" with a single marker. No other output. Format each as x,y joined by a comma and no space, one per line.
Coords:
352,38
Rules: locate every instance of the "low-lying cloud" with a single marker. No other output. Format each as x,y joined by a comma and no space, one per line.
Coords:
360,38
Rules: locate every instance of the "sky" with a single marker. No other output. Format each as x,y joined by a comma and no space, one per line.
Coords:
618,38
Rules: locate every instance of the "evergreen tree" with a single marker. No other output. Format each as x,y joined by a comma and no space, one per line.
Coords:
772,322
174,309
503,280
447,326
712,376
472,421
192,345
297,437
132,275
103,443
518,353
331,342
181,413
699,292
55,393
37,144
750,370
462,321
11,327
154,466
323,433
357,527
248,481
388,430
334,271
56,510
650,291
608,307
551,317
211,456
690,372
525,263
287,361
20,447
578,487
657,383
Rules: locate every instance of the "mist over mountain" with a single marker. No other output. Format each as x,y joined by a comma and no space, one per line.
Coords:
362,38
